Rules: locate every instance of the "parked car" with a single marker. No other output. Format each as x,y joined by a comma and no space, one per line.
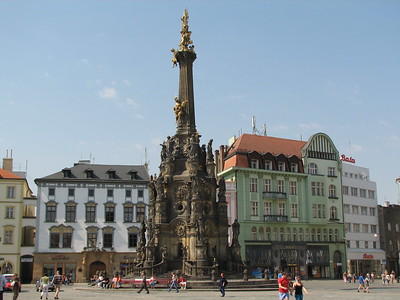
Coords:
9,278
50,285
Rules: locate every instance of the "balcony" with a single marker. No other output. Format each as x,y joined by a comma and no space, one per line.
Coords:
274,195
275,218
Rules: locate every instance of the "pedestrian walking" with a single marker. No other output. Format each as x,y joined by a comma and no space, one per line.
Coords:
366,285
360,283
144,283
3,284
45,286
283,284
222,284
57,280
174,282
299,288
16,286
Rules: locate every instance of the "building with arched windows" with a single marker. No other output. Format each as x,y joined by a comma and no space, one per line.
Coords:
286,195
89,218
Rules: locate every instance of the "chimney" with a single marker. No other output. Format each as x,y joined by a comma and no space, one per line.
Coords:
8,164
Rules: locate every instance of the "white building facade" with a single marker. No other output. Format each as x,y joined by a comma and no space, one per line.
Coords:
360,206
89,219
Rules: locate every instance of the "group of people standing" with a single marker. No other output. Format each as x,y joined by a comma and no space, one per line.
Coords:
286,287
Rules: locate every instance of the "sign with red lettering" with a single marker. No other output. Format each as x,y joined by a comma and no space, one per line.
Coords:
368,256
347,159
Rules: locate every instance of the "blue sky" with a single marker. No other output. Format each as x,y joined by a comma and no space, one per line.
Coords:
81,79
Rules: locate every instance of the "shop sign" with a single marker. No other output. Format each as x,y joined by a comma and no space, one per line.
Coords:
347,159
368,256
1,258
59,257
26,259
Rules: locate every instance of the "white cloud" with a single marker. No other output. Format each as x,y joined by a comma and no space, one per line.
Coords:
131,102
108,93
356,148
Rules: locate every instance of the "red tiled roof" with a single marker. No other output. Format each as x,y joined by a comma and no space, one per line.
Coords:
264,144
4,174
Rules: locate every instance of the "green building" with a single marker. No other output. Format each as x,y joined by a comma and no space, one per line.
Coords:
287,198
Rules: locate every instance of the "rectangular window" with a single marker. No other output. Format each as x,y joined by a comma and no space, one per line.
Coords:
331,171
132,239
128,194
315,211
52,192
253,184
50,213
345,190
267,185
372,211
374,245
140,212
354,191
357,244
110,195
371,194
67,240
366,244
363,193
373,229
389,226
109,213
54,240
317,188
364,210
71,194
356,227
281,209
365,228
294,210
293,168
254,163
268,165
293,187
346,208
280,184
91,239
70,213
347,227
267,208
8,237
9,212
90,194
355,209
140,194
281,166
108,240
254,208
90,213
128,214
10,192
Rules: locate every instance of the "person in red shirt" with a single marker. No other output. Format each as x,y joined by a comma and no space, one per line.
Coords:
283,284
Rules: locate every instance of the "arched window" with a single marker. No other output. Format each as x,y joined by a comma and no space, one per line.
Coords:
333,213
275,234
332,191
288,234
307,237
330,235
261,233
254,233
281,234
268,233
313,234
318,234
294,234
300,234
325,235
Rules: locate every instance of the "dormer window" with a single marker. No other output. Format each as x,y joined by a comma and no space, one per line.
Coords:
293,167
111,174
268,165
133,174
66,173
281,166
89,173
254,163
